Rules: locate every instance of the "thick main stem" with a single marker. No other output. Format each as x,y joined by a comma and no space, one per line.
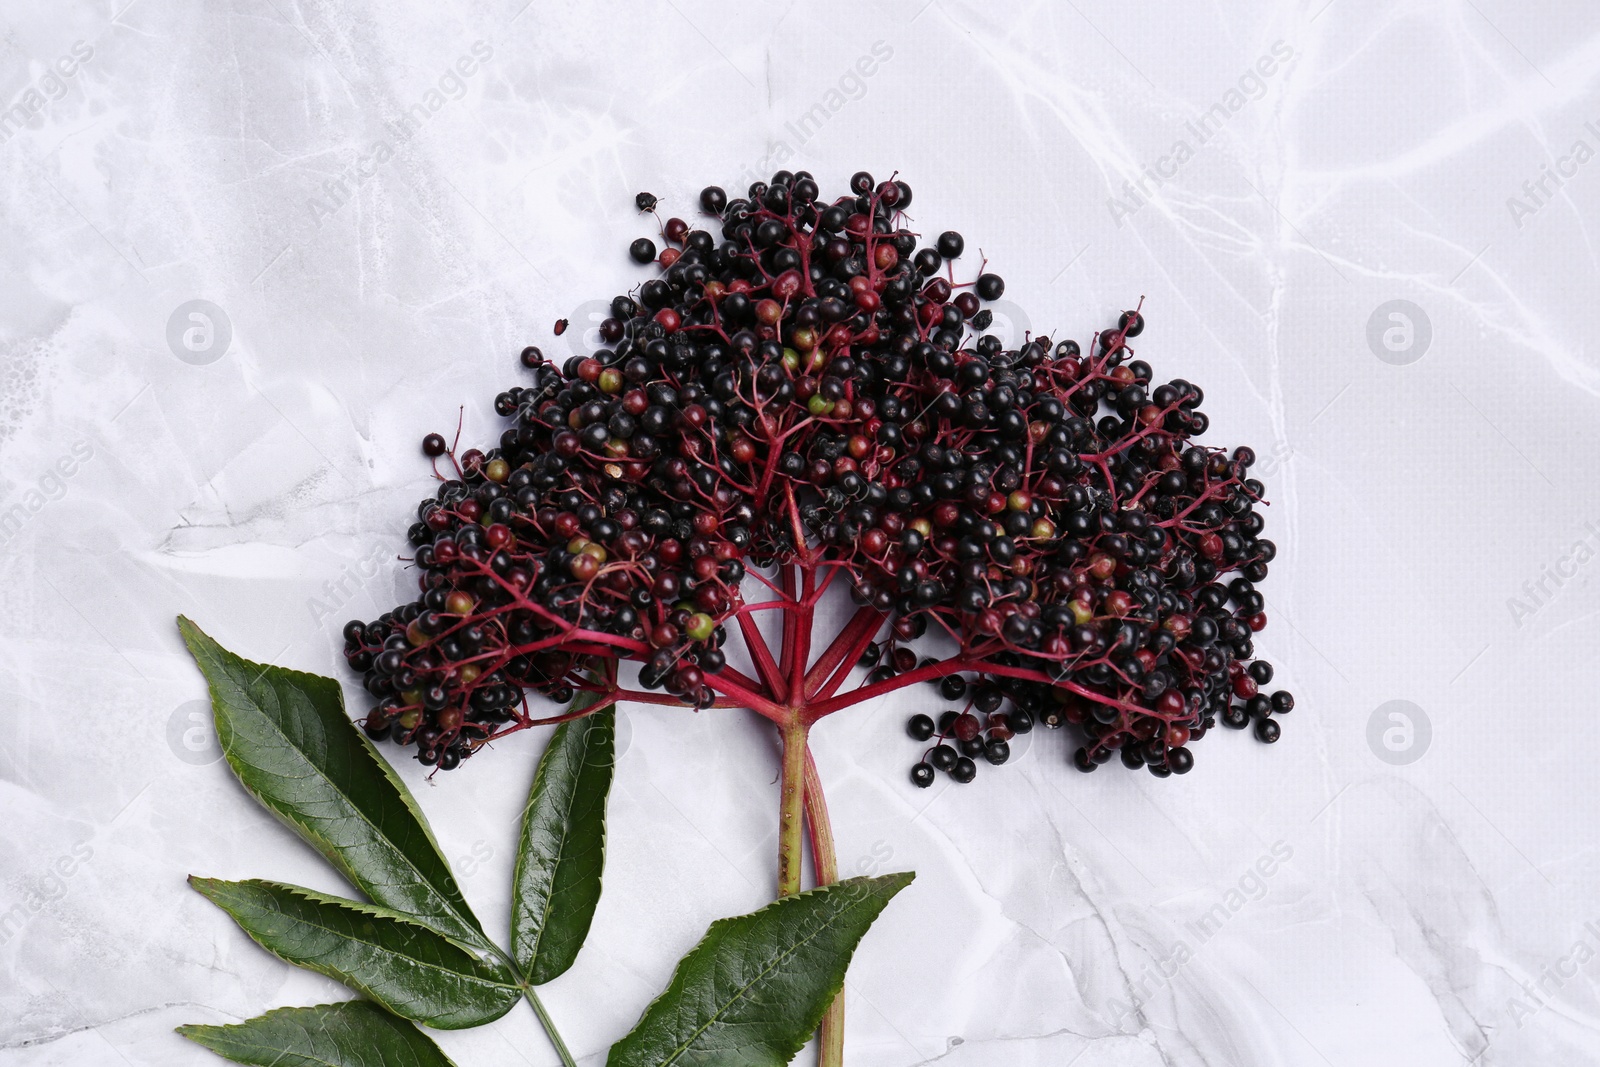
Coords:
824,860
791,806
825,866
793,680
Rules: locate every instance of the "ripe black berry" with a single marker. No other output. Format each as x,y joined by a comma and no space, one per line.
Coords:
434,445
951,244
943,757
645,202
922,775
713,199
990,286
920,728
1267,730
642,250
997,752
964,770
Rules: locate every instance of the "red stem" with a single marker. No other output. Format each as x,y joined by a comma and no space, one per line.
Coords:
790,622
808,614
855,636
770,674
954,666
741,679
748,694
636,696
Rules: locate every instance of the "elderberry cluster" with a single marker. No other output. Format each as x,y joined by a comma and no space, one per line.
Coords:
815,386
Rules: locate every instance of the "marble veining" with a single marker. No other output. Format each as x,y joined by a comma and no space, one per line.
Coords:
256,249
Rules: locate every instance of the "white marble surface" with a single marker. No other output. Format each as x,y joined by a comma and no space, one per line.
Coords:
1430,912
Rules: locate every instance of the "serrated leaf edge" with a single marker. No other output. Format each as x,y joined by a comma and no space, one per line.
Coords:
506,980
360,907
189,1030
325,847
530,965
903,878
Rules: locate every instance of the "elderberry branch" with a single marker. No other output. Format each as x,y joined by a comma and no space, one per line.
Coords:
818,398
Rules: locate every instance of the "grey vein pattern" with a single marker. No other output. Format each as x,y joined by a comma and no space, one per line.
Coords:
256,250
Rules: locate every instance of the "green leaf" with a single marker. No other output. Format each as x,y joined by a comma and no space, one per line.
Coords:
563,846
287,737
751,993
408,968
352,1034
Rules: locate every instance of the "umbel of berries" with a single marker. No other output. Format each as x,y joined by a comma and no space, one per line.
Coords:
801,400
